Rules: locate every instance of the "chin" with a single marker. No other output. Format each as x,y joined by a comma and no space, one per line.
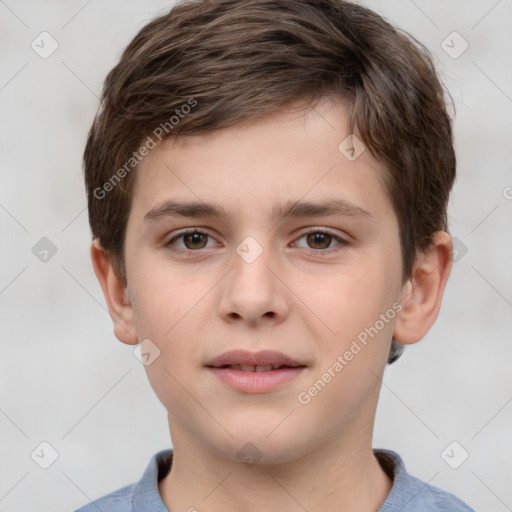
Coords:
266,442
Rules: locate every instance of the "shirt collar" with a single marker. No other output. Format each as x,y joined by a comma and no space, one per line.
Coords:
146,496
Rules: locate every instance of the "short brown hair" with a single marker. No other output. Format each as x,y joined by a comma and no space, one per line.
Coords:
237,60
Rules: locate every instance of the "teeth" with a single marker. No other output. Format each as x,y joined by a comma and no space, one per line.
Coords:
247,368
254,368
266,368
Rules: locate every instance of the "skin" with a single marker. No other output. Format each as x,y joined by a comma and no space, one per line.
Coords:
308,299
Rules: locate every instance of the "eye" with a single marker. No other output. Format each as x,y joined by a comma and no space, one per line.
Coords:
193,240
320,241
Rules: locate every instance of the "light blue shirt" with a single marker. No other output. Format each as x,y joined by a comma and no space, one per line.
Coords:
408,494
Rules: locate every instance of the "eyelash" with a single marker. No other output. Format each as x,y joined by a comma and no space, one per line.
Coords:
341,242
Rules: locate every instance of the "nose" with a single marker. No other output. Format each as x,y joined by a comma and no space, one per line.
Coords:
252,292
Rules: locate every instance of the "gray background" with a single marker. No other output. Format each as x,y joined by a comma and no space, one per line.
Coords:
66,380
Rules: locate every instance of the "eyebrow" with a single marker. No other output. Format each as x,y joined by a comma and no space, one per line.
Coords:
292,209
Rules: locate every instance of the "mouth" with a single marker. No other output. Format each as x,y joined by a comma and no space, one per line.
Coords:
255,372
255,367
264,360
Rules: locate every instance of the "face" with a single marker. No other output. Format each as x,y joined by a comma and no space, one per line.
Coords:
292,260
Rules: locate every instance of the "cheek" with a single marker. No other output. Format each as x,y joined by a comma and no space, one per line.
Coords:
357,305
361,315
168,303
162,299
172,327
354,297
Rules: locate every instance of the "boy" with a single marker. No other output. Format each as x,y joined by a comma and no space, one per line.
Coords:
235,139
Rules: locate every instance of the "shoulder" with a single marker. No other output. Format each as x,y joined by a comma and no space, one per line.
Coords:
118,501
142,495
412,494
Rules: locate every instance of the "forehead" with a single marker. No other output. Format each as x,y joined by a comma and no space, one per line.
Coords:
269,162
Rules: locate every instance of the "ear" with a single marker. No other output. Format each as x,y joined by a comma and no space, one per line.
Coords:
116,296
423,292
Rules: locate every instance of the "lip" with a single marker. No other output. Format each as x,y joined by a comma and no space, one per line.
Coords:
261,358
255,381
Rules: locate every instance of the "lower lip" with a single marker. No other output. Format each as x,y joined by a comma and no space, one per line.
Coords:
256,382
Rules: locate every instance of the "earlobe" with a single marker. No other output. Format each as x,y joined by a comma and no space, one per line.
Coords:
423,292
116,296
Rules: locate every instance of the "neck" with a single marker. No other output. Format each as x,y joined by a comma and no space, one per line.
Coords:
334,476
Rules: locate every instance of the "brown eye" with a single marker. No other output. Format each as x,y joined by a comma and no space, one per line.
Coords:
319,240
191,241
195,240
